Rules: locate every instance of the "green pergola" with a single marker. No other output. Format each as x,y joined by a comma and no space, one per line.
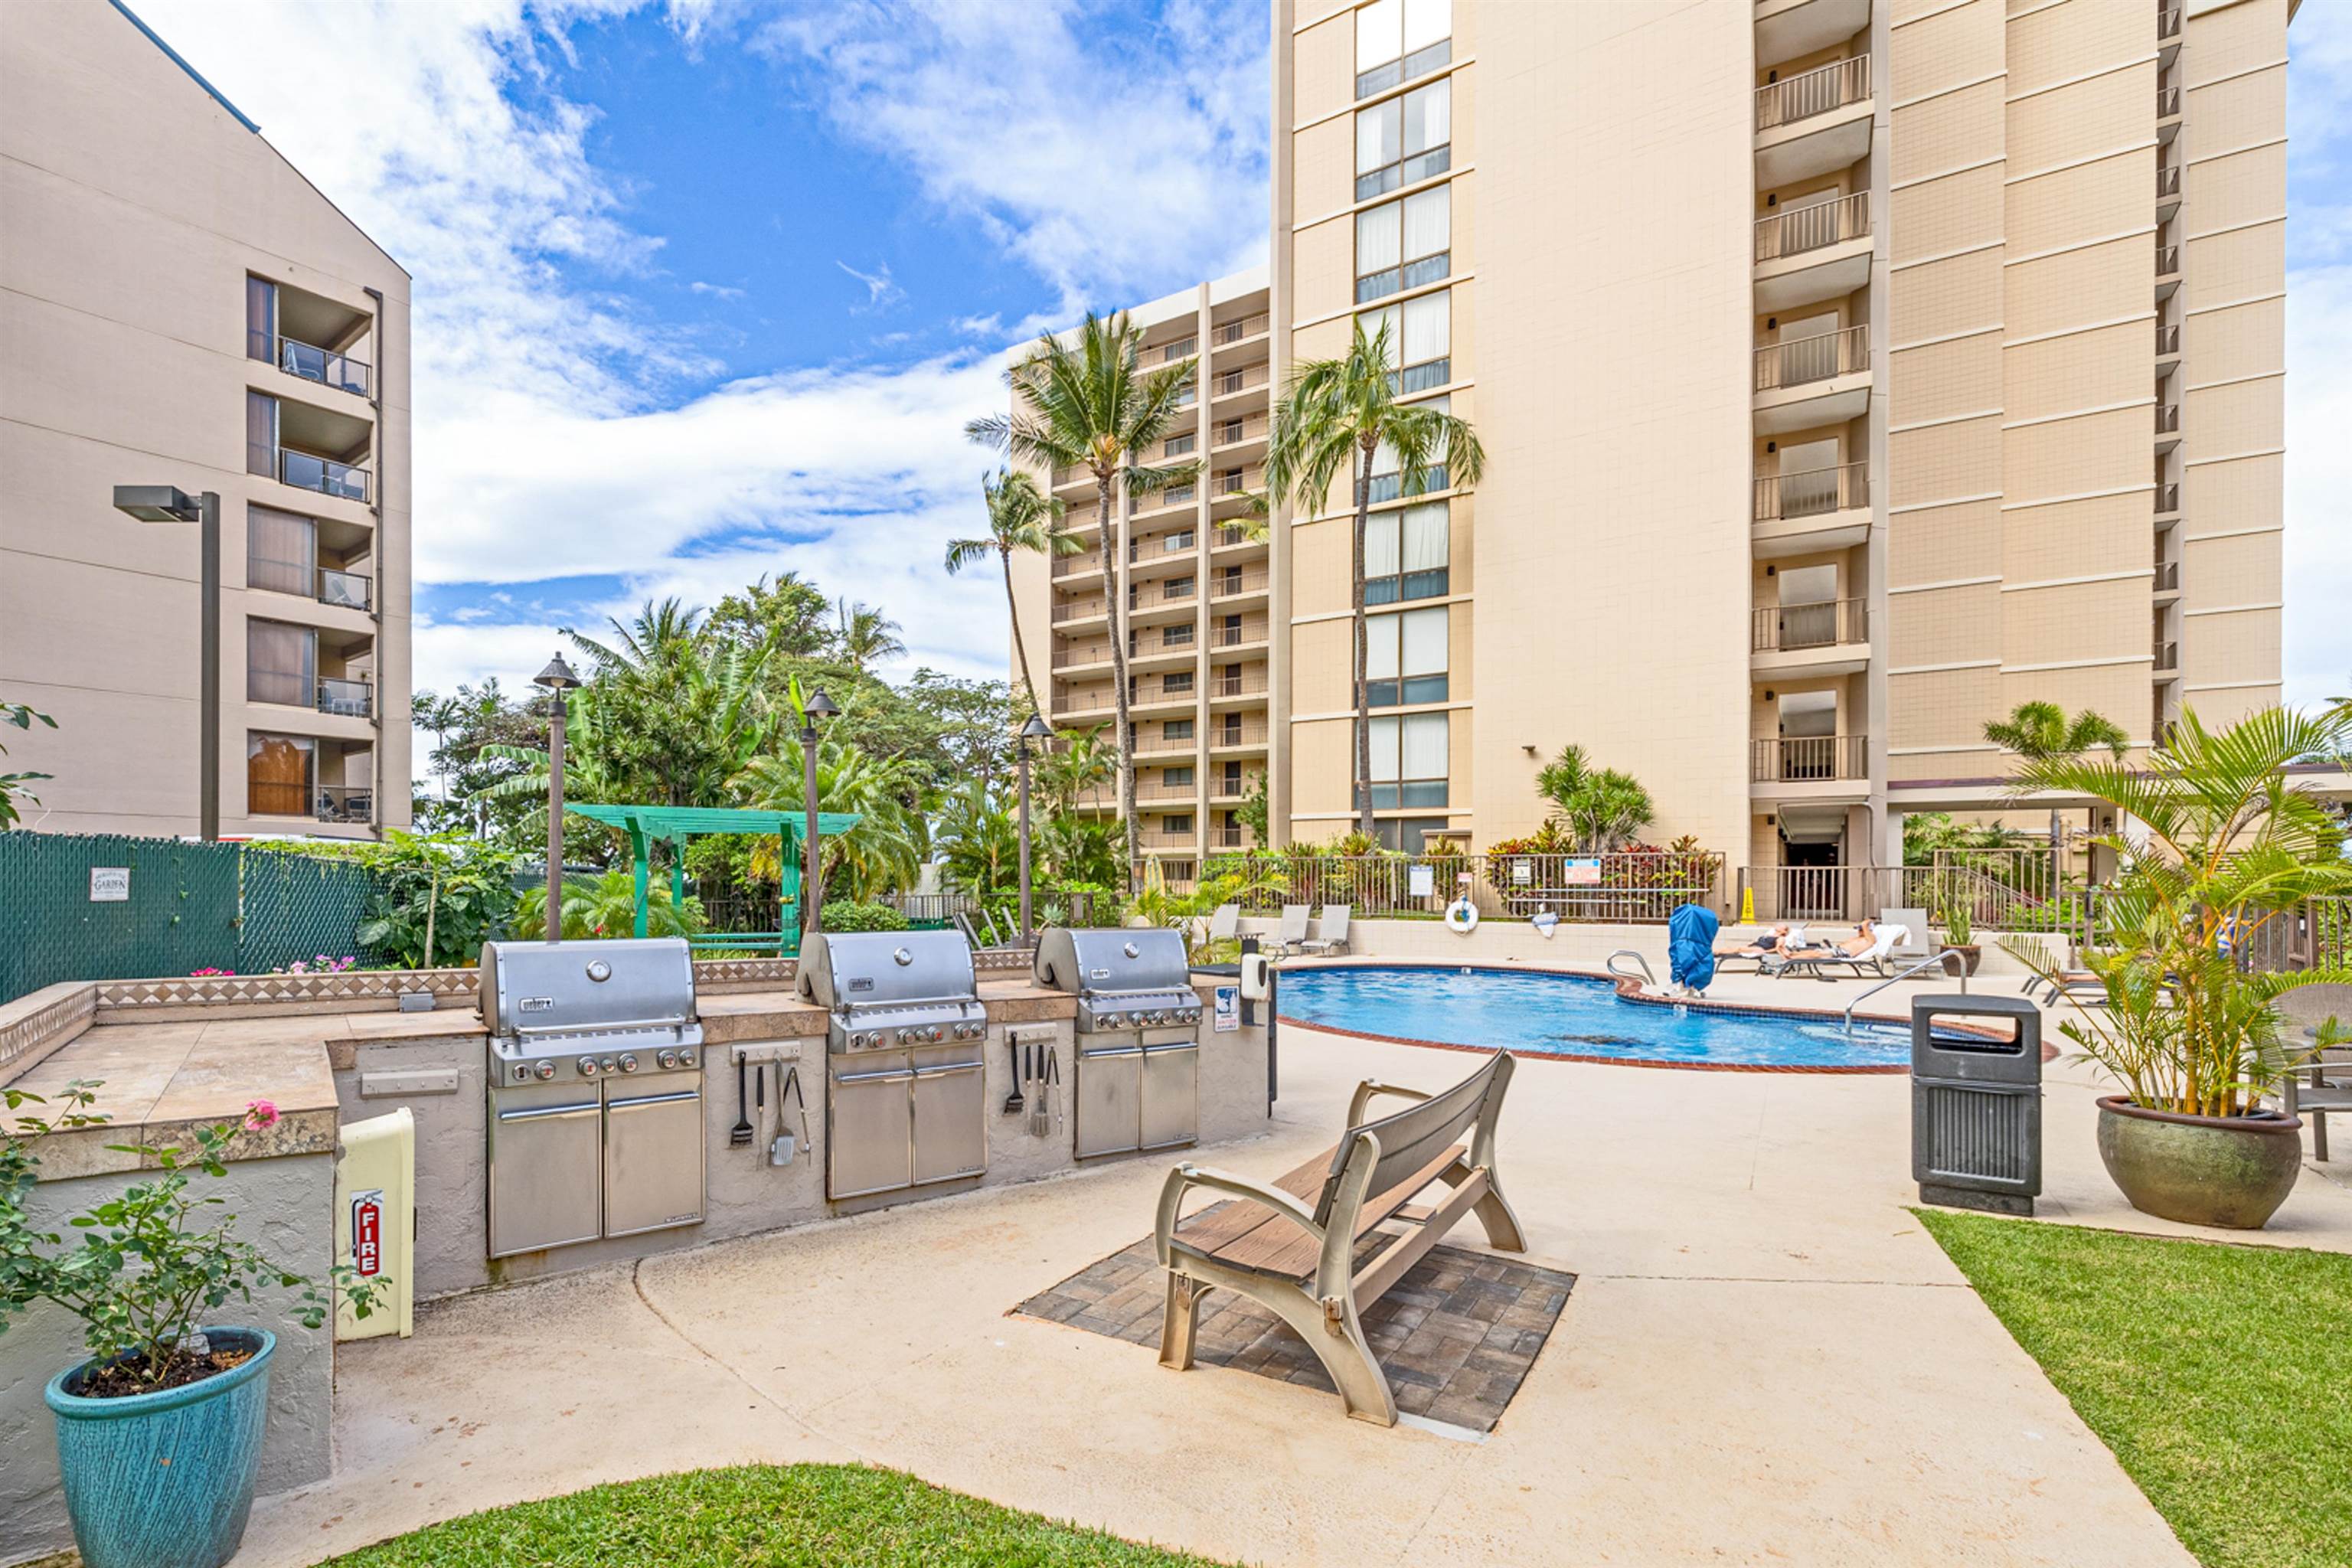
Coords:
674,825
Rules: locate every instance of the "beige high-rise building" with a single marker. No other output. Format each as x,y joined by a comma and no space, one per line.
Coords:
179,306
1848,372
1195,585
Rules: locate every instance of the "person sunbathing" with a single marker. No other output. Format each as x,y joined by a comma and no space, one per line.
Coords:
1768,942
1864,939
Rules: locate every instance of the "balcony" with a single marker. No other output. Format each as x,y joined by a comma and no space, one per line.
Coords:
2166,659
1789,29
1179,793
1226,333
2167,501
1083,656
1240,734
345,699
1812,759
312,364
1238,431
344,802
1149,695
1251,633
1234,536
1068,611
1249,683
2168,344
1239,582
2168,271
2166,582
2168,102
1161,745
1081,704
1811,381
322,475
2167,36
2167,191
329,585
1812,253
2167,425
1810,511
1814,123
1233,836
1233,383
1239,481
1155,603
1809,641
1226,786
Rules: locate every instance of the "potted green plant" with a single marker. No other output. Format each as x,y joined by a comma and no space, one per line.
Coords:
160,1428
1960,930
2224,839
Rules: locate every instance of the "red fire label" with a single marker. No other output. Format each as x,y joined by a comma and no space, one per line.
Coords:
367,1235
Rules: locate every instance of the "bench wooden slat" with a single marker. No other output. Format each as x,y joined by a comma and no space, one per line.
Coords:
1270,1243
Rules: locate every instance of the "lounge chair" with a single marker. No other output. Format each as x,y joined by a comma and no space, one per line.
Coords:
1292,931
1749,951
1817,962
1225,924
1914,944
1334,937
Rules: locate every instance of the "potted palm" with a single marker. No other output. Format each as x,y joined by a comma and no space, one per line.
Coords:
1960,930
160,1428
2222,841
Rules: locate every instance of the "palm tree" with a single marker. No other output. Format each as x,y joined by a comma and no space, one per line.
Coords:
866,637
1088,404
1333,419
1604,808
1020,517
884,851
2041,732
1080,764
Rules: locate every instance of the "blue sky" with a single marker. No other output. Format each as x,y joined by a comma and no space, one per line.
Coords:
706,288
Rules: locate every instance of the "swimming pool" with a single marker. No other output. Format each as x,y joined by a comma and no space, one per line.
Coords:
1568,1015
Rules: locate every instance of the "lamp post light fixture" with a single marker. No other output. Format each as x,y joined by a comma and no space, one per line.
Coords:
559,679
818,707
1035,730
167,503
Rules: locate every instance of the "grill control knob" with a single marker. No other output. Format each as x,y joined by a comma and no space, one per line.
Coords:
521,1071
668,1058
586,1065
685,1057
609,1065
628,1062
545,1070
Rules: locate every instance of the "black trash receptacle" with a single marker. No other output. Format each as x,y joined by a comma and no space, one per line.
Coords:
1976,1103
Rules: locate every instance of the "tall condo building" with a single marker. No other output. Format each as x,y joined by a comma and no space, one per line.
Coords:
180,308
1848,372
1193,577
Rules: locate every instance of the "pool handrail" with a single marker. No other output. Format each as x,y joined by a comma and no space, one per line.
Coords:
1647,976
1933,958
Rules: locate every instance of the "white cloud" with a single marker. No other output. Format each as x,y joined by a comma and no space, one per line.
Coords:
881,293
715,290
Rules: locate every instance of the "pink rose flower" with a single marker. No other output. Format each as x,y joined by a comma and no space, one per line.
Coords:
260,1114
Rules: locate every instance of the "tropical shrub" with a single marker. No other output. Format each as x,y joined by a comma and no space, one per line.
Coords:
850,915
440,897
606,905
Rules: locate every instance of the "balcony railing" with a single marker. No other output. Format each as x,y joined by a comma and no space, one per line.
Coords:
2168,419
1817,358
1234,381
2168,23
1173,591
2168,658
1813,492
1810,759
1233,533
1076,609
1809,228
2167,260
1249,685
1224,788
1833,86
1176,791
2167,499
1099,702
1181,349
345,699
2168,181
2167,101
1242,636
1231,432
344,802
312,363
2168,340
2167,576
324,475
1829,623
1234,331
344,590
1082,656
1252,733
1232,837
1233,585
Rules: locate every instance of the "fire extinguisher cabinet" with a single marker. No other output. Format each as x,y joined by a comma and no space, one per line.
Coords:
375,1222
1976,1103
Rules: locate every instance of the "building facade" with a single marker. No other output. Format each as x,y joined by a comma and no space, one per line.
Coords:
1848,372
180,307
1196,588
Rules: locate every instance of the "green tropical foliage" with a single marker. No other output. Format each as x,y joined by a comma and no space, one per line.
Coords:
1021,518
1332,421
606,905
12,785
979,843
1084,400
2041,731
865,636
441,896
1602,808
850,915
2224,841
888,846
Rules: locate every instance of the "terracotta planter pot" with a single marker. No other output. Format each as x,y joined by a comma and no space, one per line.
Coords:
2227,1171
1970,955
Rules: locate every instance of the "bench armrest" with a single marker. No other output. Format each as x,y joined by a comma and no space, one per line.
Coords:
1184,1178
1364,1094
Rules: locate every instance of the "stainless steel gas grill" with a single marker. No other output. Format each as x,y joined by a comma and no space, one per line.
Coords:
1137,1081
594,1122
904,1056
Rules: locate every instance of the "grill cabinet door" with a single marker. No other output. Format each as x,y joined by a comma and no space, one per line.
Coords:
1108,1094
653,1161
867,1127
951,1126
544,1190
1171,1092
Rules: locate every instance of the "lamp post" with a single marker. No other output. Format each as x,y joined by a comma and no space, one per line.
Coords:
819,706
166,503
1035,730
558,678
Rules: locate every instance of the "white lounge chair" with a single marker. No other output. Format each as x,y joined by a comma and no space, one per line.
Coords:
1225,922
1334,937
1291,934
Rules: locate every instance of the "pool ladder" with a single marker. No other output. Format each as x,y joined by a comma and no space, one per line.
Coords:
1643,963
1929,962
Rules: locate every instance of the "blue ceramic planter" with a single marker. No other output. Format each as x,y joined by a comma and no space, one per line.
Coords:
165,1480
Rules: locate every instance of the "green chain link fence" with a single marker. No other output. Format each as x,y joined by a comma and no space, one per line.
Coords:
104,907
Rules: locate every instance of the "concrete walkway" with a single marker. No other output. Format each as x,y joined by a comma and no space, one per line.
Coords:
1766,1359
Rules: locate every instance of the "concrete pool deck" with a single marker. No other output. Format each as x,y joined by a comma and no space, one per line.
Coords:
1766,1357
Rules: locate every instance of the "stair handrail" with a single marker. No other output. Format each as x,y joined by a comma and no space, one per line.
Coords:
1933,958
1648,977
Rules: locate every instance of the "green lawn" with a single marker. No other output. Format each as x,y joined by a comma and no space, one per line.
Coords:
763,1516
2221,1376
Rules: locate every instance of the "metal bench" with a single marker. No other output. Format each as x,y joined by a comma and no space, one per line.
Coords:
1293,1246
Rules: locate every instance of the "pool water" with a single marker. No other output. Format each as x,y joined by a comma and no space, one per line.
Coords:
1568,1015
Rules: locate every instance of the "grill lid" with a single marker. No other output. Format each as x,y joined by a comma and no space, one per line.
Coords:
536,987
861,970
1124,960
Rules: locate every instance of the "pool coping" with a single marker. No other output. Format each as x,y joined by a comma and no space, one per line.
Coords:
1627,991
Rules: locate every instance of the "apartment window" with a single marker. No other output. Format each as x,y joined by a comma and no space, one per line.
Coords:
1177,446
1419,346
1177,730
280,771
1397,40
1405,553
1387,483
1176,636
260,320
282,552
261,434
1177,684
1176,778
1409,761
1409,834
1230,733
281,663
1404,140
1176,822
1404,658
1229,431
1180,349
1405,243
1177,588
1181,540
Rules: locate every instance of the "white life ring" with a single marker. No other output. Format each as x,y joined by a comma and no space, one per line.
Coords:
1462,916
